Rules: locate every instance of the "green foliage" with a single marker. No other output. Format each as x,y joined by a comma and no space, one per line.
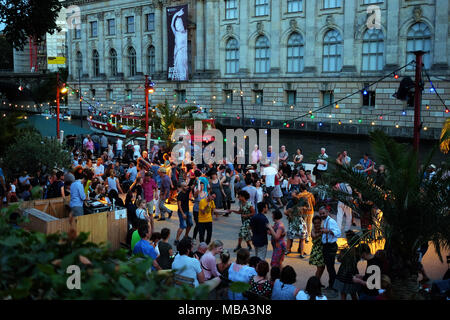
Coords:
169,119
31,18
31,152
33,266
9,130
6,55
415,210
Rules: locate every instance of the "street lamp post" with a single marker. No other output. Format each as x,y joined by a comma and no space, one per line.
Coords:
57,105
79,96
147,86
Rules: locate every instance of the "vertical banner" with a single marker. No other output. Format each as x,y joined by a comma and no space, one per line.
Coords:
177,20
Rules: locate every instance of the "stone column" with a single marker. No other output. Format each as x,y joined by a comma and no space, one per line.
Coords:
392,36
164,41
348,60
210,39
440,54
158,40
310,36
101,43
84,45
275,33
140,55
118,41
199,37
243,37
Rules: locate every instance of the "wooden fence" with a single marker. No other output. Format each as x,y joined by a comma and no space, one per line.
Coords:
52,216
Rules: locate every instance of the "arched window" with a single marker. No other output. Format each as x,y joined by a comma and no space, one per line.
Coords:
151,60
113,62
373,50
132,62
295,53
95,63
419,38
79,62
332,51
262,55
232,56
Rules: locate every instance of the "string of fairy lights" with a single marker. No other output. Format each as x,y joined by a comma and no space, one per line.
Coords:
312,113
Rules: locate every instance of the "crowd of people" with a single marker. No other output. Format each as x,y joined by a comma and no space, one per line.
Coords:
145,181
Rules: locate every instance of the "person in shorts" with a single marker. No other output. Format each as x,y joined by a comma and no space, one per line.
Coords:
184,215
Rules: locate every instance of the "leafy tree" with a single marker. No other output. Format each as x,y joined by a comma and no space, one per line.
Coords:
32,152
6,55
415,210
8,130
28,18
33,266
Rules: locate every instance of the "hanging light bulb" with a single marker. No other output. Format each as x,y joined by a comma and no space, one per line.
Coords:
337,106
395,76
397,126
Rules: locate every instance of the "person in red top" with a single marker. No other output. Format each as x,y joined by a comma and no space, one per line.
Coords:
150,194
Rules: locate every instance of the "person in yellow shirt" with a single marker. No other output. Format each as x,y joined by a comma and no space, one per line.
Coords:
206,209
309,212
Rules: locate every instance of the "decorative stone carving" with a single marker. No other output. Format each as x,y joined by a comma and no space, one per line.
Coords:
417,13
129,42
138,11
100,16
330,20
84,18
118,13
293,24
150,39
260,27
229,29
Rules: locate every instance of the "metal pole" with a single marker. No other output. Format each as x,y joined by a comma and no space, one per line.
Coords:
57,106
417,99
79,96
146,103
242,103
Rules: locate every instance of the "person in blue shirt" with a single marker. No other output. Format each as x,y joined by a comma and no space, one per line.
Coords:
77,194
367,164
259,230
144,247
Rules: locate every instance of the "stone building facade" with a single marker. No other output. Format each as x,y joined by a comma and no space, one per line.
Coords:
290,57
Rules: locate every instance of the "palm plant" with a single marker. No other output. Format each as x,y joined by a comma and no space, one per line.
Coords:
416,210
168,119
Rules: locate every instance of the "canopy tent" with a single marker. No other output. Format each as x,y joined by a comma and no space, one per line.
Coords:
47,127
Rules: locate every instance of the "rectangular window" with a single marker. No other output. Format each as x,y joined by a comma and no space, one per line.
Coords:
329,4
291,97
93,93
258,97
328,98
295,5
150,18
130,24
180,96
368,97
111,27
261,8
129,94
230,9
372,1
78,33
109,94
94,29
228,97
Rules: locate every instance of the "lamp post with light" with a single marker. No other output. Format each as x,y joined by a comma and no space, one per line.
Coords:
63,89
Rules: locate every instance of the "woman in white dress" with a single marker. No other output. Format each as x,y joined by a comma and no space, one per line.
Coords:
180,64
